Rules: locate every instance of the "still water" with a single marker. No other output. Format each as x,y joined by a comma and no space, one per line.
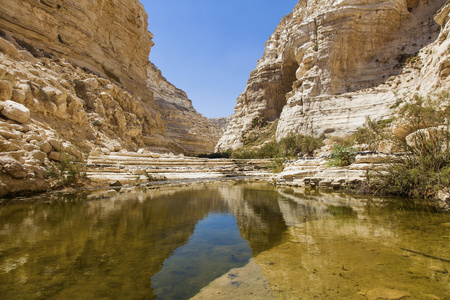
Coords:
224,241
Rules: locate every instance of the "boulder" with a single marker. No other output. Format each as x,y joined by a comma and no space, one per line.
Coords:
9,134
7,146
25,55
15,111
18,96
8,48
6,89
45,146
13,167
38,155
91,83
417,137
30,147
40,172
56,156
56,144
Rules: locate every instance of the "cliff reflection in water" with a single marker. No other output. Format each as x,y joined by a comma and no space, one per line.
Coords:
173,242
74,248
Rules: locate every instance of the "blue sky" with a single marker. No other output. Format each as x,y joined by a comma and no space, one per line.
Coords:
209,47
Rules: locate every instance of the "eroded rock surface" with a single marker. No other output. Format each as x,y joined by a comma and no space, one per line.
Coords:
190,130
108,37
330,64
77,72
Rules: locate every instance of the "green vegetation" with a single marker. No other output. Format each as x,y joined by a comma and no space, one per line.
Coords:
68,171
263,133
288,147
423,169
341,156
260,132
371,134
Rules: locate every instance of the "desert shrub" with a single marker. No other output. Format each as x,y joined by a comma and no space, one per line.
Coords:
268,150
258,122
293,145
424,167
277,165
372,132
341,156
260,132
288,147
344,141
67,171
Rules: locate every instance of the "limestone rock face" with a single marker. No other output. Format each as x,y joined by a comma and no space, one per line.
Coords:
107,37
15,111
192,132
75,79
222,122
331,63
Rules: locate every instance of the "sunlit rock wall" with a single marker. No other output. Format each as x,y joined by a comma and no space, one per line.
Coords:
330,64
187,130
107,37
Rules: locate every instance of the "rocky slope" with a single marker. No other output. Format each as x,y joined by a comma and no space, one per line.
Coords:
331,63
222,122
70,83
192,132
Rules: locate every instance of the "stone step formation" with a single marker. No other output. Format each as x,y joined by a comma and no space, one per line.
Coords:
148,166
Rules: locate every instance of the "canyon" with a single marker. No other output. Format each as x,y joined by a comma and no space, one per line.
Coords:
72,88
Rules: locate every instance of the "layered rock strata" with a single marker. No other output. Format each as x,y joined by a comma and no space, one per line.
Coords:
107,37
222,122
190,131
330,64
77,72
132,167
316,174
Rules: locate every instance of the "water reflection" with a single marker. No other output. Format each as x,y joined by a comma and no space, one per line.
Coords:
162,244
74,248
213,249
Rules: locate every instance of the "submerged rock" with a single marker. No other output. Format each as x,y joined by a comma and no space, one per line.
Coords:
386,294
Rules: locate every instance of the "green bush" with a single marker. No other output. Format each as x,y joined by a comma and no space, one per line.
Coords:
341,156
288,147
67,171
293,145
277,165
424,168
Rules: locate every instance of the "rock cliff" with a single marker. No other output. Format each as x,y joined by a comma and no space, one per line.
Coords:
107,37
75,77
191,131
222,122
331,63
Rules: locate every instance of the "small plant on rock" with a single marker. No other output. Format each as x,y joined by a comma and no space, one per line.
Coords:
68,170
341,156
